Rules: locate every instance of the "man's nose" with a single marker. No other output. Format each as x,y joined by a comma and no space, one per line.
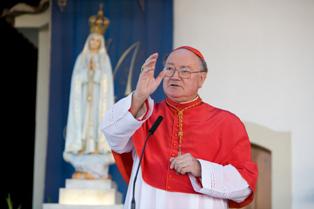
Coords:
176,75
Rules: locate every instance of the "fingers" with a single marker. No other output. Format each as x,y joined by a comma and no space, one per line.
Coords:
184,170
172,162
152,57
181,167
150,63
176,160
182,163
147,83
186,163
161,76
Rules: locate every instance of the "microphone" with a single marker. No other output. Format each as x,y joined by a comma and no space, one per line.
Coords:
155,125
150,132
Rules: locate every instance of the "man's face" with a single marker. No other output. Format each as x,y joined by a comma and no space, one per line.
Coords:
183,89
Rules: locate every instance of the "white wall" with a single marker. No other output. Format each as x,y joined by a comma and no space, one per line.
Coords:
260,55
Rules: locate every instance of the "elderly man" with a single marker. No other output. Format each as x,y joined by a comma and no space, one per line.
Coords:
199,157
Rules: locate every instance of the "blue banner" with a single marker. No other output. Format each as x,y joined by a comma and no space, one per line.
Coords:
137,29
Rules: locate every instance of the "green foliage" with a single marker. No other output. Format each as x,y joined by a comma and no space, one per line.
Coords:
10,203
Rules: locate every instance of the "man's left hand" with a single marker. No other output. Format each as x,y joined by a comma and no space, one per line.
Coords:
186,163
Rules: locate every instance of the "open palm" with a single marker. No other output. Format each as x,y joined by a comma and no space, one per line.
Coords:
147,83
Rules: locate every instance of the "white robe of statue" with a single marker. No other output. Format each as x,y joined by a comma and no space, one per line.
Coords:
91,94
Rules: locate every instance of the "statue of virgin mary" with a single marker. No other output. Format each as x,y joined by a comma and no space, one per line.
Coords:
91,94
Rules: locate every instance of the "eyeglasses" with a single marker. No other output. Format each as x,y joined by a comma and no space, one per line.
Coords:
183,72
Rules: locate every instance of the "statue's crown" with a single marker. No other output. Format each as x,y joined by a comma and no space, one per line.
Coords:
98,24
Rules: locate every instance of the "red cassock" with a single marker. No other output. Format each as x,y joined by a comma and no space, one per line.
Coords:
209,134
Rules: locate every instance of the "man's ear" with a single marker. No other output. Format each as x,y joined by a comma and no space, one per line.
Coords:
202,79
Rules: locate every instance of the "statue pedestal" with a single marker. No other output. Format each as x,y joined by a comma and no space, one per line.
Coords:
88,194
58,206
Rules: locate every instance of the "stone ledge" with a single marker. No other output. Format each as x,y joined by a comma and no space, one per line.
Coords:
89,197
89,184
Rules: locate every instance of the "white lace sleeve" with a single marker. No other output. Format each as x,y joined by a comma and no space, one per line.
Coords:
221,182
119,124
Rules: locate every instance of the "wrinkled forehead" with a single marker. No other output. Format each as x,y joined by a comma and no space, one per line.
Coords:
183,57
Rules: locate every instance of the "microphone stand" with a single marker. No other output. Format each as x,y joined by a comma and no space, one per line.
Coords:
150,132
138,167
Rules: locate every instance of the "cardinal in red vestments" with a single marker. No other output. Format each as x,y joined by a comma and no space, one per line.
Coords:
199,156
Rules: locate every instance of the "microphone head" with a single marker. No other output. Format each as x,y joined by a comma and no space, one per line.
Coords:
155,125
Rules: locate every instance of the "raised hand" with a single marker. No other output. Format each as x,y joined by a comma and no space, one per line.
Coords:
146,84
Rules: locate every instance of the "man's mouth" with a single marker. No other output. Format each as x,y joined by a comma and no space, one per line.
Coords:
174,85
